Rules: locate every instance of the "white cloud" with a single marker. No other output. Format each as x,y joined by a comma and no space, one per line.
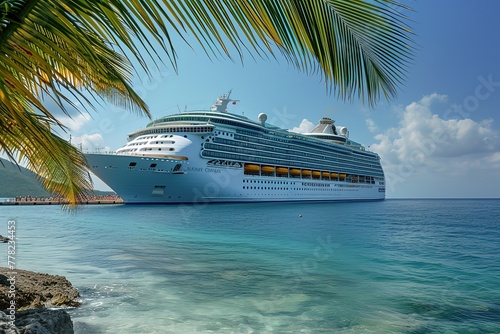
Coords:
75,123
372,126
305,126
428,100
425,143
90,143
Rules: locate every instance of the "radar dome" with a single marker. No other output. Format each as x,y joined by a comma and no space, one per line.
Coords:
344,132
262,117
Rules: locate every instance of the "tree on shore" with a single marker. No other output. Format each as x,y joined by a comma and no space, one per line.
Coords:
77,52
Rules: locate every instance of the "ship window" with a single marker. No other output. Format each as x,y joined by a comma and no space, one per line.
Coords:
153,166
132,165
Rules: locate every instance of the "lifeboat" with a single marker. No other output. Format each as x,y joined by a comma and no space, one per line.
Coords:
334,175
342,176
316,174
325,175
281,170
267,169
252,168
306,172
295,172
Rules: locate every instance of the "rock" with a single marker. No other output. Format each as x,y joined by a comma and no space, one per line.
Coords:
36,290
6,326
44,321
4,239
37,321
34,293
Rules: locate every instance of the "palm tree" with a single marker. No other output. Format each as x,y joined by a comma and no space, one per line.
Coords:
83,51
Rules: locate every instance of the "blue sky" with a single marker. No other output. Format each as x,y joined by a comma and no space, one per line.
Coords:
440,137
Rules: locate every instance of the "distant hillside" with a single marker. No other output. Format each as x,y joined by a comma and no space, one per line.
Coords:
18,181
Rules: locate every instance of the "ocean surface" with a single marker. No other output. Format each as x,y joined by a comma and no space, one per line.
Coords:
394,266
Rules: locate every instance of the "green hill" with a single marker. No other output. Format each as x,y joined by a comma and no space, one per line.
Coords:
18,181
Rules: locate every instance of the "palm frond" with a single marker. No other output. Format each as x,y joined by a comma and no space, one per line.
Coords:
58,164
361,48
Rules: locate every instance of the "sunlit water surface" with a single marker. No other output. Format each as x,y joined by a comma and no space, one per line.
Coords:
395,266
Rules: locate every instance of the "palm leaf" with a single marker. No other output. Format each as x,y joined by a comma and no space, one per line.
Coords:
360,47
58,164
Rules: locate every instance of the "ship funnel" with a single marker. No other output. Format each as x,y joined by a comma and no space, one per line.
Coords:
326,125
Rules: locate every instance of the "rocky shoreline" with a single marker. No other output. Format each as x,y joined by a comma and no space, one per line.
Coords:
29,302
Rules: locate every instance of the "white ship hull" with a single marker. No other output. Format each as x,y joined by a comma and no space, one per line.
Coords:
197,182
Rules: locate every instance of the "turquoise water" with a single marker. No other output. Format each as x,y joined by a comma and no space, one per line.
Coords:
395,266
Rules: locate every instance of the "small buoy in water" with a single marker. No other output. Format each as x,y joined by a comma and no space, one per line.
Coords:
300,216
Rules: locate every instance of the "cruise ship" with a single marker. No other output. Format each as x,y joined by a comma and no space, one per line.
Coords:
212,155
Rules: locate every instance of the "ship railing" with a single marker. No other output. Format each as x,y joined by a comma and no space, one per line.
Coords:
97,151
